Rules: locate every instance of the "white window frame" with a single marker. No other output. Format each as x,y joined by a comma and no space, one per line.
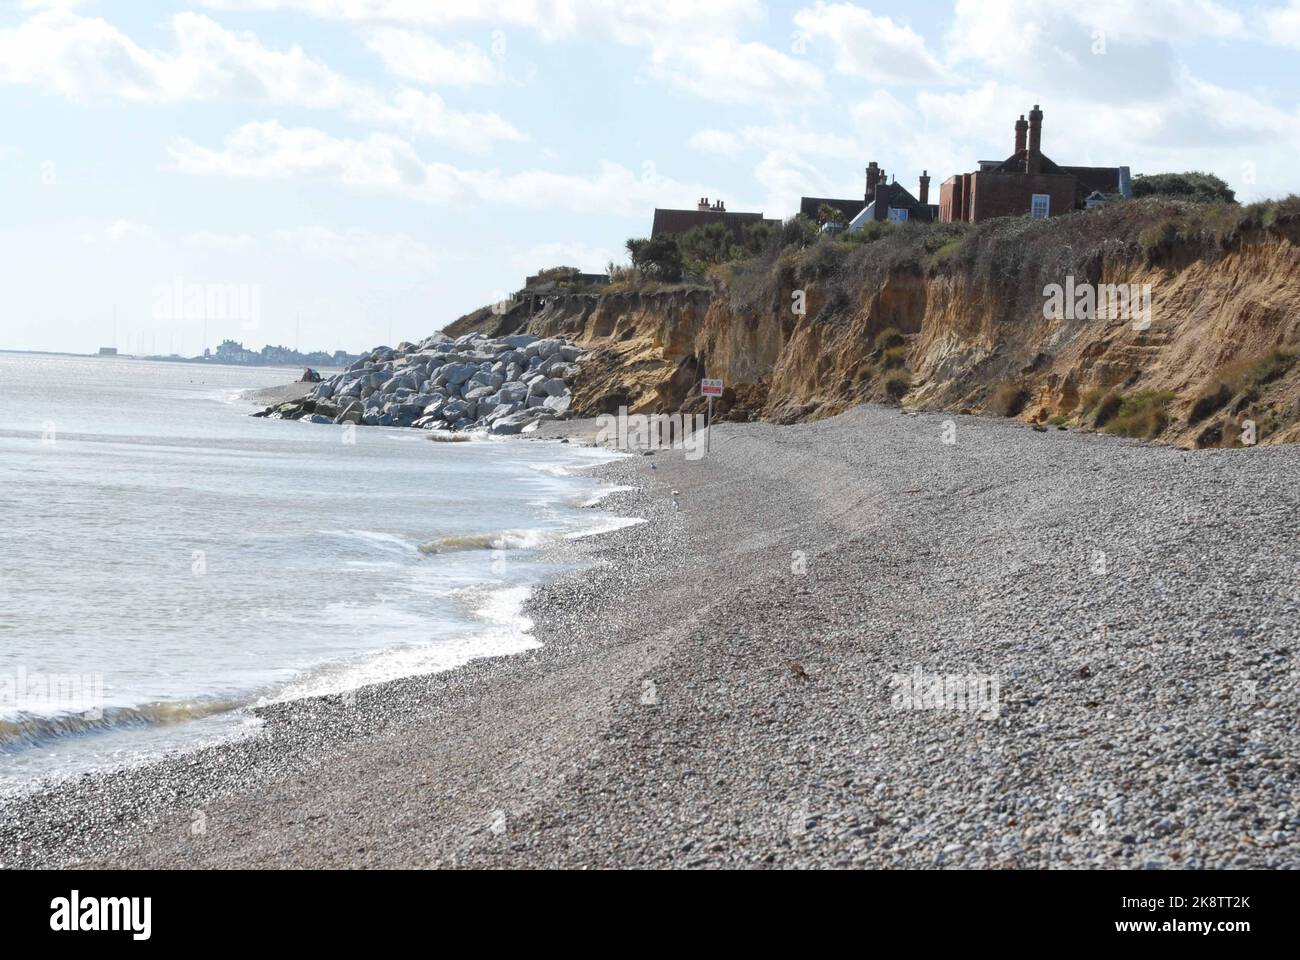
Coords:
1046,201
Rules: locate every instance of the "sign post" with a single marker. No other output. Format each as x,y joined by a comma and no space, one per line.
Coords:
711,389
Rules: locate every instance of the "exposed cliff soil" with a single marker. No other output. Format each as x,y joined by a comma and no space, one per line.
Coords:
952,317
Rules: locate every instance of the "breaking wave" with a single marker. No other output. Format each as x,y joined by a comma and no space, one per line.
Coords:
33,730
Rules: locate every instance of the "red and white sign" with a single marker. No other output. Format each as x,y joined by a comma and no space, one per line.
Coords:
711,388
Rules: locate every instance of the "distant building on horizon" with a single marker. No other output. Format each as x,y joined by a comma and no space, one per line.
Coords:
232,351
671,222
1028,182
108,351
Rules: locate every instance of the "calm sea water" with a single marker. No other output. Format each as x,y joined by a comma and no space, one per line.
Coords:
167,560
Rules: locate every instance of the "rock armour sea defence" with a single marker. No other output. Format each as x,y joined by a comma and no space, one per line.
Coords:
474,382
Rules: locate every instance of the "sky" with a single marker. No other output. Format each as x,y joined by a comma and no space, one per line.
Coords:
335,174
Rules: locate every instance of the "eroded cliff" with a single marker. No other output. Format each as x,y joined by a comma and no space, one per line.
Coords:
952,317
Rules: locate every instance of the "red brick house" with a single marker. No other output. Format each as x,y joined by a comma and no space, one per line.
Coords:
1026,183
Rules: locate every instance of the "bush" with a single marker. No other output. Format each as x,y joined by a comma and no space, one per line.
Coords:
799,231
1009,399
1159,239
559,274
897,383
869,232
1142,414
889,337
1246,376
1193,185
1106,407
1209,401
893,358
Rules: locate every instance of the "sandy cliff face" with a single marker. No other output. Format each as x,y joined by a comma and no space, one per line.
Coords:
963,329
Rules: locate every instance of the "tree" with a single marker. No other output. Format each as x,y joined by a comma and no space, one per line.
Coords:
828,214
799,231
1193,185
706,245
660,258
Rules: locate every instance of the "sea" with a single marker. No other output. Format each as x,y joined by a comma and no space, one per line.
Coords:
168,561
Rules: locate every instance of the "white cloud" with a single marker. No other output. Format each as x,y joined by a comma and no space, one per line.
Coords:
587,258
383,163
632,22
1282,24
869,46
781,137
1117,50
720,142
220,241
424,114
420,58
729,71
120,230
364,249
85,58
692,46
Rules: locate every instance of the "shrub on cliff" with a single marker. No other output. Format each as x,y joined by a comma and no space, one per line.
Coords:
897,383
1009,399
1192,185
659,259
1142,414
869,232
1246,376
799,231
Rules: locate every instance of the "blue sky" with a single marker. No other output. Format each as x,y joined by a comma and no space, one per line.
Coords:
372,169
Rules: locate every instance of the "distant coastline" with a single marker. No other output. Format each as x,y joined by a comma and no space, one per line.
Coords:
197,361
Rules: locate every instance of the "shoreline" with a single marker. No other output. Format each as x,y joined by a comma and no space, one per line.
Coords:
715,689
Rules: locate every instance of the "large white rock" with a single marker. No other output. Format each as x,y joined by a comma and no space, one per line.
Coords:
519,340
558,405
458,373
514,392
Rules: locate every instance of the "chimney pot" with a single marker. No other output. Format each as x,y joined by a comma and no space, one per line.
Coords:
1034,159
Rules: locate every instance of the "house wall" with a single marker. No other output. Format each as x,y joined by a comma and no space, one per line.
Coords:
1011,194
950,200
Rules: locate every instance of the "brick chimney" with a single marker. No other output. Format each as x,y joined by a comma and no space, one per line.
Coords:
720,207
873,179
703,204
1034,159
924,195
1022,130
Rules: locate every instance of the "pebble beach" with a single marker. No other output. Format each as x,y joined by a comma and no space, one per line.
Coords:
735,682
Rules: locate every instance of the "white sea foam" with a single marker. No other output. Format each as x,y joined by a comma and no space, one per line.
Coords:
604,492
